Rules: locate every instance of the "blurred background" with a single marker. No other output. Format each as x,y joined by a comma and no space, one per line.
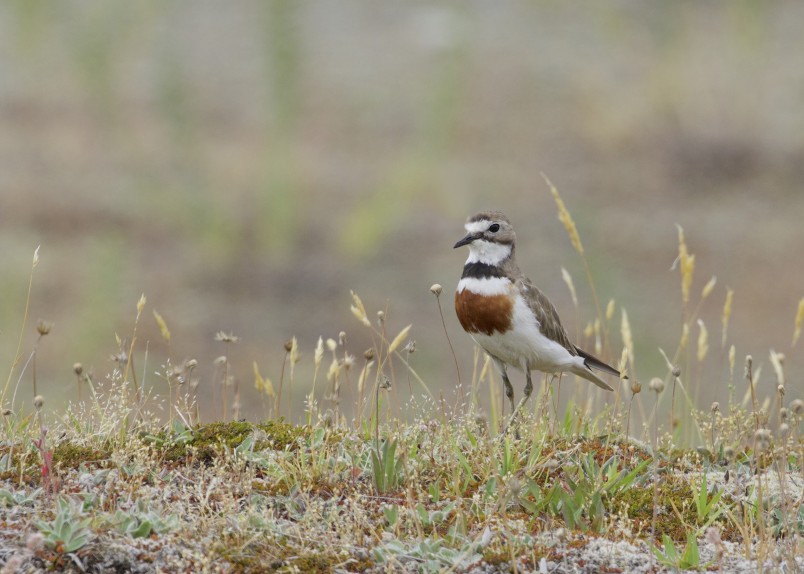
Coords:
245,164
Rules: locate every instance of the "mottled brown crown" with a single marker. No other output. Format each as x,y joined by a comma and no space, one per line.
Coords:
489,216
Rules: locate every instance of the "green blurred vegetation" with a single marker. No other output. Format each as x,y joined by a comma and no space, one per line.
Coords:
245,165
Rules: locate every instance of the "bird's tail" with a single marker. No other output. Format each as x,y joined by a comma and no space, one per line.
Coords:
594,363
591,362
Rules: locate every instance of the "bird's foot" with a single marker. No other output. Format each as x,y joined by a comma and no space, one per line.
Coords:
512,425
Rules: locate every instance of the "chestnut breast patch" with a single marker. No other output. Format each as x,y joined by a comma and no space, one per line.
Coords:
485,314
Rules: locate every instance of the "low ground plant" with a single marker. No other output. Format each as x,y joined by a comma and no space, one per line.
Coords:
132,479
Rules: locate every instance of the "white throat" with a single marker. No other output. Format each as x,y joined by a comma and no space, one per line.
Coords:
488,253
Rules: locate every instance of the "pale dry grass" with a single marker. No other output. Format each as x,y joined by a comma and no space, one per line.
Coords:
130,478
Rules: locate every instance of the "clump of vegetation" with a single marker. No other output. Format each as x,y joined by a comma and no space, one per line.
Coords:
110,484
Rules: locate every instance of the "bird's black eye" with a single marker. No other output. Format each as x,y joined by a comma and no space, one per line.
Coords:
495,227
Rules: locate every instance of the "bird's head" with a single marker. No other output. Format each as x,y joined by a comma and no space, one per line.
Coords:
490,237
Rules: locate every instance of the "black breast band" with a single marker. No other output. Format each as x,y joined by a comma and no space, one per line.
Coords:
480,270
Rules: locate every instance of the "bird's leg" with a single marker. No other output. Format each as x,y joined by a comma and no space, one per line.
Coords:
509,389
528,391
509,392
557,401
544,408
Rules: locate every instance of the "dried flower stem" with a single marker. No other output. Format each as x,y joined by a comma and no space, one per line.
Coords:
749,375
278,398
449,342
130,351
33,363
656,385
17,355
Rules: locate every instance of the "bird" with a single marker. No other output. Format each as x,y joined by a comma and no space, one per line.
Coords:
508,316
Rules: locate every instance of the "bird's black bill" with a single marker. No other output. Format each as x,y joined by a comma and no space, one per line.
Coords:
465,241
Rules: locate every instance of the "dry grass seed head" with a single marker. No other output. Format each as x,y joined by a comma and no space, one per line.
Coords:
625,331
318,354
703,341
687,265
565,218
656,385
726,315
43,327
798,322
359,310
224,337
707,290
565,275
610,309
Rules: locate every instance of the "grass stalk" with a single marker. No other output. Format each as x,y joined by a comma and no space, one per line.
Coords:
436,290
18,352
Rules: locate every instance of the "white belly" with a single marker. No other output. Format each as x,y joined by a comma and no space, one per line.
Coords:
525,347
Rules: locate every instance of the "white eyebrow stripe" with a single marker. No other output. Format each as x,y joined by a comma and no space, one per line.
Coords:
476,226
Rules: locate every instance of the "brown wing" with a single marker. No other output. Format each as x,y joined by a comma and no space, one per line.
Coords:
546,314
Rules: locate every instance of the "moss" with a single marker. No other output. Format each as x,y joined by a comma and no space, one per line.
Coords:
278,557
676,513
28,478
496,556
313,563
206,442
603,448
70,455
66,455
499,556
16,458
283,435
